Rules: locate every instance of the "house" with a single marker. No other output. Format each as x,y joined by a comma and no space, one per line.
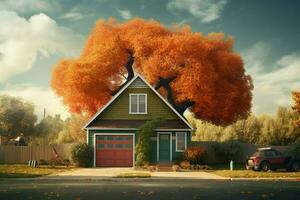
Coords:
113,130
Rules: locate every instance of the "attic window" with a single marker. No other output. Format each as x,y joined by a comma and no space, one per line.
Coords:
137,103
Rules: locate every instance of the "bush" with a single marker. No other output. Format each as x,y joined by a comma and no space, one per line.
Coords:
185,165
82,155
43,162
294,150
227,151
195,155
145,132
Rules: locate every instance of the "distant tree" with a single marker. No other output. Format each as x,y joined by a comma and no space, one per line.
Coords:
286,129
193,71
296,107
49,127
265,130
16,116
72,131
247,130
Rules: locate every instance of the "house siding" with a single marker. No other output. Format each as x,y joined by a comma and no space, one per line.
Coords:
176,156
119,109
118,112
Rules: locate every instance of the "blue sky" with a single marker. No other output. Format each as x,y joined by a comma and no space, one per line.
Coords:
35,34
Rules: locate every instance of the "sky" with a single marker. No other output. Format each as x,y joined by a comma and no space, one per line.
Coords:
36,34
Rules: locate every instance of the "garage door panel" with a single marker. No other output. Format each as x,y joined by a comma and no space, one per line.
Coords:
114,151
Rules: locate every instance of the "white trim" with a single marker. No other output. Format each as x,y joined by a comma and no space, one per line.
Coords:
185,141
118,94
100,128
134,129
169,129
138,106
175,111
116,134
87,136
157,144
109,102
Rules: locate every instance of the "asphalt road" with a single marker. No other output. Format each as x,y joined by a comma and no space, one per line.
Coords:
147,189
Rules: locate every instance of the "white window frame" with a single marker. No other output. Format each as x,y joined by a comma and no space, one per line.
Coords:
138,106
185,141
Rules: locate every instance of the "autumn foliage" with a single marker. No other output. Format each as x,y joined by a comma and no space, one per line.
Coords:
207,70
195,155
296,107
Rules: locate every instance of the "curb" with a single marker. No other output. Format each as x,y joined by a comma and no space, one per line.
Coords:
148,179
264,179
106,179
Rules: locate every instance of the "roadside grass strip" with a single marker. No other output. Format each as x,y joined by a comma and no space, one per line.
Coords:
25,171
134,175
255,174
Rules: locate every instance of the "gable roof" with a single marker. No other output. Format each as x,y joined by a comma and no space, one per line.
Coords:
121,91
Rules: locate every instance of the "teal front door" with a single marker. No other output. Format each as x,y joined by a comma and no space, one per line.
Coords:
164,147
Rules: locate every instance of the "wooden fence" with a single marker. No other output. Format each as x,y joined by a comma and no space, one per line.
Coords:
21,154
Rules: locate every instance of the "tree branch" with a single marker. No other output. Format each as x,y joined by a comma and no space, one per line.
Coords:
165,83
123,75
130,72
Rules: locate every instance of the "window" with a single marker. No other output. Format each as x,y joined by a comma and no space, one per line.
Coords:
137,103
180,141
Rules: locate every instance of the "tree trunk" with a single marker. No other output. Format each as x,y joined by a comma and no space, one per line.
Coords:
130,72
165,83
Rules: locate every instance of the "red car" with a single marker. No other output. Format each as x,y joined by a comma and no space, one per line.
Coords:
266,159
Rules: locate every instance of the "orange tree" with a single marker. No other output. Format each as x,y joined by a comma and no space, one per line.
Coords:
191,70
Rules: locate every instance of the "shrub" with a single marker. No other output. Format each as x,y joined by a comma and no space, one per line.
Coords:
294,150
185,165
195,155
228,151
43,162
143,146
82,155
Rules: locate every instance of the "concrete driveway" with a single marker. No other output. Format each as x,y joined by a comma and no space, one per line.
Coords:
98,173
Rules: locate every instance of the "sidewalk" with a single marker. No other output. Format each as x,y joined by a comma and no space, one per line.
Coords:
100,173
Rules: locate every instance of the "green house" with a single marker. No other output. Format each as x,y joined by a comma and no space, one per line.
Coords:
113,130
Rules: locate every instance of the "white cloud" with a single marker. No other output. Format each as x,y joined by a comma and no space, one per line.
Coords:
255,57
21,41
74,15
25,6
205,10
125,14
272,88
41,97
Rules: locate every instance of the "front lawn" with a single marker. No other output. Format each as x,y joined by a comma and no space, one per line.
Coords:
241,172
255,174
24,171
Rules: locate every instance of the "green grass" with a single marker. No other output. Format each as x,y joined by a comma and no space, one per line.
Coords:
241,172
24,171
255,174
134,175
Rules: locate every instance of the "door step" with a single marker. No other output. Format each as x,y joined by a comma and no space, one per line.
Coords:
165,167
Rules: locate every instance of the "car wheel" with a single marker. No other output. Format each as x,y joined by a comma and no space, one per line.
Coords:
295,166
265,166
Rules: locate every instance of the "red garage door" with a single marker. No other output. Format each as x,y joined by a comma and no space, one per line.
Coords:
114,151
